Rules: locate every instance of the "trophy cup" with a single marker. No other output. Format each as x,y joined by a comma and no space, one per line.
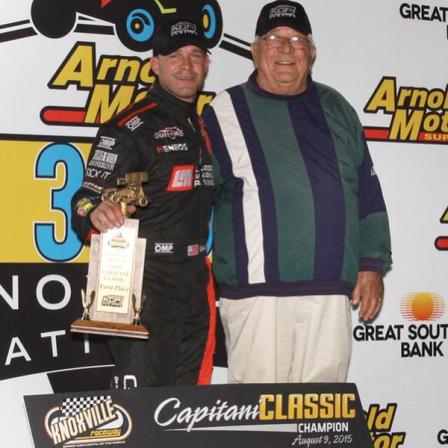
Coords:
113,301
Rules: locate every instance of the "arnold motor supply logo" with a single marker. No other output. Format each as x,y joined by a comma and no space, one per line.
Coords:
380,424
81,421
417,114
112,82
424,333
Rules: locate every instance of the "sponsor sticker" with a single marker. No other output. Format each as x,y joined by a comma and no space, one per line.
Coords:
282,11
94,173
183,28
163,248
181,178
134,123
175,147
106,142
171,132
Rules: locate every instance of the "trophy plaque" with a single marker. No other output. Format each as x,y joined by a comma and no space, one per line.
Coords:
113,300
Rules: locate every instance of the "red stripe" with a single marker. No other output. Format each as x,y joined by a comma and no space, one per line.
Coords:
441,243
69,116
208,142
90,234
376,134
136,112
205,373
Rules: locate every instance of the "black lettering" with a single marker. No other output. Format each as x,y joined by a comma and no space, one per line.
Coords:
425,12
416,12
405,11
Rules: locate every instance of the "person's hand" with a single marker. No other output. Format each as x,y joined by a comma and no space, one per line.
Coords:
368,292
108,215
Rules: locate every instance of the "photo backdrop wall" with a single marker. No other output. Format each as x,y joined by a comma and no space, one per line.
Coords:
67,68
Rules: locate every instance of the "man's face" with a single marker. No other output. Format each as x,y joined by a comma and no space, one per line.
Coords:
182,72
283,67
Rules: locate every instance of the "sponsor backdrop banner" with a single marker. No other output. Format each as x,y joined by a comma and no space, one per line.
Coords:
230,416
69,65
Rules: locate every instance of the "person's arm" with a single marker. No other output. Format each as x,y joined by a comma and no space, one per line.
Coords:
113,154
375,246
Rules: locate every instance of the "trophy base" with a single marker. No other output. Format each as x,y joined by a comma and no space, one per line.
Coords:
109,329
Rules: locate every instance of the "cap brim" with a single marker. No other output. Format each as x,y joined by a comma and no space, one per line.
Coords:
173,46
269,26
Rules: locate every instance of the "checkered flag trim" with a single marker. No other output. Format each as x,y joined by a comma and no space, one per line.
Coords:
72,406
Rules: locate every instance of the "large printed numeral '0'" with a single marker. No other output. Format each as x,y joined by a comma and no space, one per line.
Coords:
44,233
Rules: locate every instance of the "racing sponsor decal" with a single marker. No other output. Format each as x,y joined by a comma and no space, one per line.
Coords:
195,249
84,206
164,248
106,142
417,114
113,301
102,159
80,421
171,132
174,147
380,422
422,335
282,11
204,176
94,173
92,187
183,28
134,123
181,178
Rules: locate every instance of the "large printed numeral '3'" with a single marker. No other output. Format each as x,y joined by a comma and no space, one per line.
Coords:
47,161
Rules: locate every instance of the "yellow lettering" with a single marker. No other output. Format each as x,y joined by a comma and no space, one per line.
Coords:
131,66
417,97
383,97
347,412
436,98
102,107
406,126
431,122
264,413
146,75
77,68
295,406
311,407
140,95
444,127
279,415
326,402
106,65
